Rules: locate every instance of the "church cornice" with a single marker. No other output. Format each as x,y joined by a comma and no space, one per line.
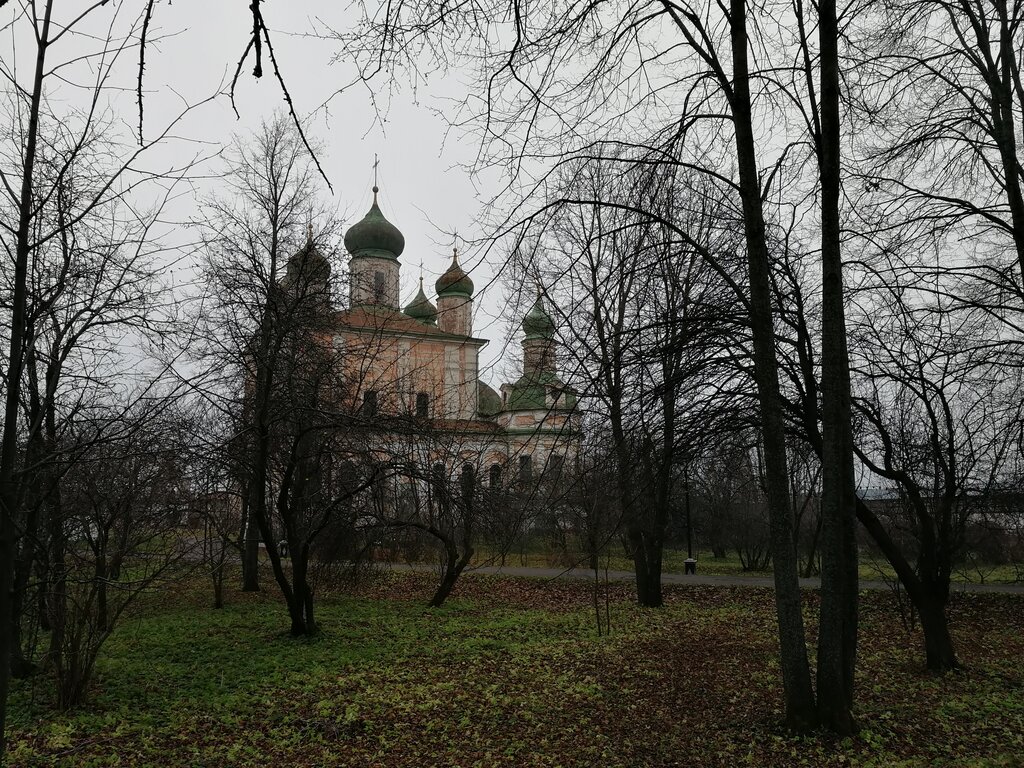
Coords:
429,332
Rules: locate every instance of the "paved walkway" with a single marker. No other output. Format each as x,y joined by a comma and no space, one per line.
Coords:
704,579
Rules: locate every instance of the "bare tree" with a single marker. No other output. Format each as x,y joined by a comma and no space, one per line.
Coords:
52,184
936,91
269,333
731,497
642,319
121,506
939,418
434,488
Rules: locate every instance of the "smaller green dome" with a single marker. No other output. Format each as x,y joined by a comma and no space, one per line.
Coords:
420,308
374,235
538,323
489,401
307,264
455,280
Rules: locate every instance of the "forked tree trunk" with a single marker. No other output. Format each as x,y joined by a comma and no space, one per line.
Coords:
928,598
454,566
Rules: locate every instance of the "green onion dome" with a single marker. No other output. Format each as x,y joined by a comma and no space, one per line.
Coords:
455,280
489,401
307,264
421,309
373,235
538,323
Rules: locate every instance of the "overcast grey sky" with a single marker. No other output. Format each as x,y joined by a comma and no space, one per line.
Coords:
425,189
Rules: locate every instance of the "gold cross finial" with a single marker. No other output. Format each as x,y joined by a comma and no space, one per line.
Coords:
376,162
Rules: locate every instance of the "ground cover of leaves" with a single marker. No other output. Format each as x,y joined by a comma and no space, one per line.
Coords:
512,673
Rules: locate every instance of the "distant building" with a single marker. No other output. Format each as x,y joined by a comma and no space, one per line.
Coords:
420,365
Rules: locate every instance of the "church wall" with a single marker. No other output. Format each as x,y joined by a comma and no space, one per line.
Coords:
455,314
398,368
364,287
538,356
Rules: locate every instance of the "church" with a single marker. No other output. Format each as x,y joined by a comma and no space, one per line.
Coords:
419,364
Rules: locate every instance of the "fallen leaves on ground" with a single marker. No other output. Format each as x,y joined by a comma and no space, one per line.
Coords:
512,673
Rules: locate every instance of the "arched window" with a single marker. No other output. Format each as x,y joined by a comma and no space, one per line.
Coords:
438,482
555,464
467,482
495,476
525,468
370,402
422,405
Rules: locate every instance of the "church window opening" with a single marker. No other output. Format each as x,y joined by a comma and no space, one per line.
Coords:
495,476
525,468
437,483
555,464
370,402
422,405
468,481
378,284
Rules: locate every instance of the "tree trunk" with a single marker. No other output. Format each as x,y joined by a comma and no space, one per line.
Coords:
218,578
21,667
444,589
837,636
301,603
928,599
454,566
796,676
15,360
250,553
938,643
6,587
647,566
812,552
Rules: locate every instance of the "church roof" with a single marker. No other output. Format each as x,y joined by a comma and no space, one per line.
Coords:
530,392
307,264
489,400
538,323
455,279
379,319
421,308
374,235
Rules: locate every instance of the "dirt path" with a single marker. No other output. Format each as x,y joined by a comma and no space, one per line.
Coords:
678,578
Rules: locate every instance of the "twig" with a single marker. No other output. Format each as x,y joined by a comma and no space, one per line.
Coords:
142,58
259,28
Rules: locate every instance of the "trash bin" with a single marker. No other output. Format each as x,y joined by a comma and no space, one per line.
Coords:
690,566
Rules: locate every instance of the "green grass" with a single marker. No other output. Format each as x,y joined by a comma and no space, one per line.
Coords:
511,672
